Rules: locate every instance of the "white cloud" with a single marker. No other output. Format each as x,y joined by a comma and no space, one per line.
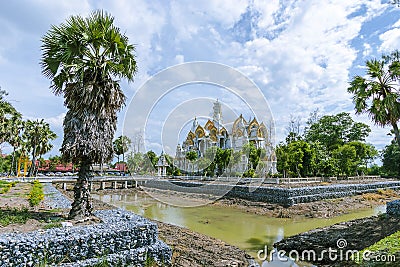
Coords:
300,53
367,50
179,59
390,40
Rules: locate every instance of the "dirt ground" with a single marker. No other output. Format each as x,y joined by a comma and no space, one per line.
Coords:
319,209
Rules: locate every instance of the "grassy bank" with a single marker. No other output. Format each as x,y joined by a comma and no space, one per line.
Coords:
382,253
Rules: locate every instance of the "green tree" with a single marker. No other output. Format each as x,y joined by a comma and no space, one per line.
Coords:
346,159
391,160
135,161
54,161
253,154
365,153
121,146
333,131
37,136
85,58
378,93
150,161
211,156
296,158
15,126
191,156
7,114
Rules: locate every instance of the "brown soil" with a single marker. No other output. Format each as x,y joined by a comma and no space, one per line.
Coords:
16,200
319,209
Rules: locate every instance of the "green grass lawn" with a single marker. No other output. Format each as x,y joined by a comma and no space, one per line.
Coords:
9,216
386,250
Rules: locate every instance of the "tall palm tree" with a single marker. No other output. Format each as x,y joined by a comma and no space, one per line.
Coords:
7,111
37,136
16,125
85,58
378,94
121,146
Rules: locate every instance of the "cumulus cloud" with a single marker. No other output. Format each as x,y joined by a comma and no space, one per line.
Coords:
300,53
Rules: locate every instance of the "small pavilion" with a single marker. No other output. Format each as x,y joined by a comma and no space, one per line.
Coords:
162,165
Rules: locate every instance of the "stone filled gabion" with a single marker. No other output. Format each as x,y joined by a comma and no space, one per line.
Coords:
282,196
54,198
123,238
393,208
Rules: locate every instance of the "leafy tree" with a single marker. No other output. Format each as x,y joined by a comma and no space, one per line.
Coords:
121,146
85,58
14,130
325,165
150,161
235,159
254,154
391,160
54,161
203,163
365,153
37,136
296,158
378,93
5,163
135,161
333,131
346,159
191,156
7,114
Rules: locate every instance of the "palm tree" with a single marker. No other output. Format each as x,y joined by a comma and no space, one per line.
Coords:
37,135
85,58
121,146
378,94
7,111
16,125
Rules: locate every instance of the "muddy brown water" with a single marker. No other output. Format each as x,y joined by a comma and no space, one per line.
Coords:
249,232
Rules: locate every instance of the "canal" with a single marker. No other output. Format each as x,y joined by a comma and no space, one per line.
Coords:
247,231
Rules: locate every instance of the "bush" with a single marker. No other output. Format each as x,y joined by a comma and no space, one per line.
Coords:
249,173
36,194
5,187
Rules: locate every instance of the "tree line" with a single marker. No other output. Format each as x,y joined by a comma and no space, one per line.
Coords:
31,137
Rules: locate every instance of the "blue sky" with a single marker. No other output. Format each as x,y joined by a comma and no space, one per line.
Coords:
301,54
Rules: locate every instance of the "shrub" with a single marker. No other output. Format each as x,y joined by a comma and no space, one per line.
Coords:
249,173
5,187
36,194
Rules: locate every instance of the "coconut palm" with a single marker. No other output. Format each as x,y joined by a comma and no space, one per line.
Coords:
85,58
378,94
37,136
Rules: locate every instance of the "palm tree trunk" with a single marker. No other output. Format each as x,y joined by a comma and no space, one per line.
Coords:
12,162
82,205
32,168
123,162
396,133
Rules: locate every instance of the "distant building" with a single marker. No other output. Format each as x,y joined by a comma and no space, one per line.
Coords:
162,165
231,135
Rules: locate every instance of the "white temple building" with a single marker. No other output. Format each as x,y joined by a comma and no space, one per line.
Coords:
230,135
